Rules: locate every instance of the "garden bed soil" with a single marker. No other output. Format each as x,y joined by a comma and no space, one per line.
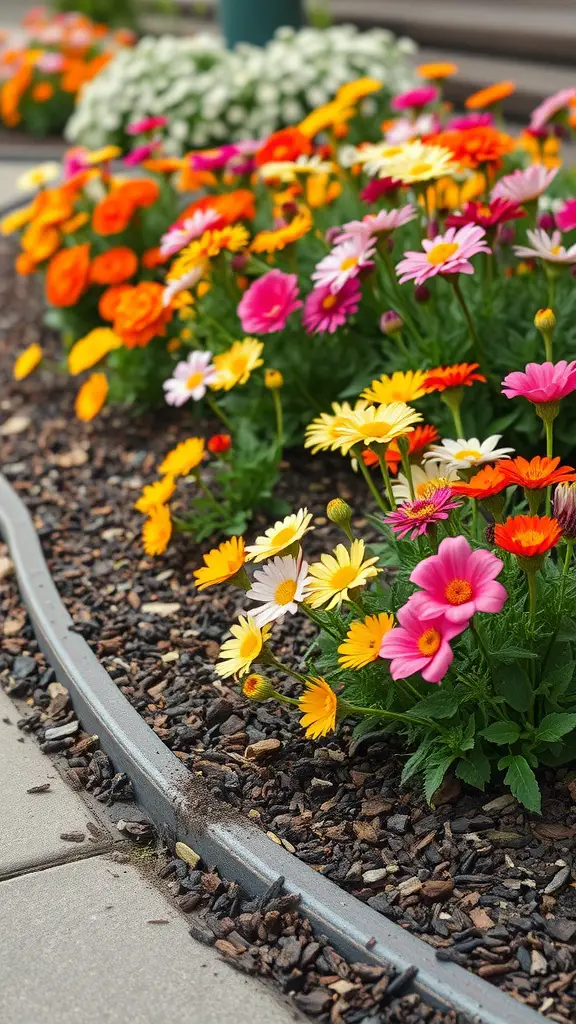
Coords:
486,883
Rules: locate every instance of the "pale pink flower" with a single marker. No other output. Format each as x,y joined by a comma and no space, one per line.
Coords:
190,379
268,302
420,645
445,254
546,247
566,217
146,124
324,311
414,517
403,129
541,382
50,63
212,159
458,582
524,185
344,262
550,107
183,232
418,97
377,223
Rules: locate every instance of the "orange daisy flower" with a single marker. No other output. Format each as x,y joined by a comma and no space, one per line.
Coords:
420,438
490,95
528,536
475,147
489,481
437,70
459,375
540,472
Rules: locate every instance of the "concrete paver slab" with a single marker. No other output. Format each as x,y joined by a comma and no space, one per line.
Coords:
31,823
84,934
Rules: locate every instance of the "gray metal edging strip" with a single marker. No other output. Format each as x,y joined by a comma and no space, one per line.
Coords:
181,806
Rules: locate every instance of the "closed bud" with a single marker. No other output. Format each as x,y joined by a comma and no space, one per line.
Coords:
340,513
545,320
421,293
332,234
240,261
273,379
257,687
564,508
391,322
547,221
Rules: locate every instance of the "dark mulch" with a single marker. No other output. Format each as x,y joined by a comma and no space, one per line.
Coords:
487,884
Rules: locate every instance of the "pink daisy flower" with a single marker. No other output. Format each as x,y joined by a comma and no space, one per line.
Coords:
414,517
566,217
541,382
523,186
546,247
140,153
548,109
146,124
458,582
344,262
190,379
325,311
268,302
445,254
183,232
418,97
465,121
212,159
420,645
377,223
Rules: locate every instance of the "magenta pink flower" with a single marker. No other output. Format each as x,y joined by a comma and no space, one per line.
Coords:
458,582
414,517
550,107
524,185
420,645
140,153
326,311
212,159
541,382
566,217
445,254
145,125
75,160
464,121
415,98
378,187
268,302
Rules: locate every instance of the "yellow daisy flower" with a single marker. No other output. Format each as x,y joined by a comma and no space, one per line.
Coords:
237,655
326,116
352,92
375,423
27,361
90,349
421,162
236,364
91,397
155,494
16,220
221,563
103,155
335,575
399,387
275,241
282,535
319,705
157,530
182,459
364,639
321,433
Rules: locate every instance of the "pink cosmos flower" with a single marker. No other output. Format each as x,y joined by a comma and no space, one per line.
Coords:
458,582
183,232
324,311
268,302
212,159
414,517
465,121
140,153
377,223
541,382
344,262
445,254
550,107
523,185
418,97
420,645
190,379
146,124
546,247
566,217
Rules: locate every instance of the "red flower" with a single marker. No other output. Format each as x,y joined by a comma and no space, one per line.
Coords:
218,444
457,376
486,215
287,144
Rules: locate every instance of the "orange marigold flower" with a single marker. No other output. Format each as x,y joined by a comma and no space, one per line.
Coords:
527,536
108,302
68,275
540,472
138,191
112,214
490,95
440,69
68,227
140,314
420,438
114,267
153,258
485,484
91,397
457,376
287,144
474,147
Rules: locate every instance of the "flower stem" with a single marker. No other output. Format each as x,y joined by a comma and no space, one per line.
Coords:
477,344
279,420
531,577
394,715
213,501
567,562
368,478
386,478
549,427
218,412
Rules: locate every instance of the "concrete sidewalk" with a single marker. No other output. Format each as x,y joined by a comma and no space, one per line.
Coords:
85,938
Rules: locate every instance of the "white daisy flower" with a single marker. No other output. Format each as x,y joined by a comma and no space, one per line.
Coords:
546,247
190,379
278,587
462,454
426,479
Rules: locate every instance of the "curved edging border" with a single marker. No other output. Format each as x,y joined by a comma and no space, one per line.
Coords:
180,805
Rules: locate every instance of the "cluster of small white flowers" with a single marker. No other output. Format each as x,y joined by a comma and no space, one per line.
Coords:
211,95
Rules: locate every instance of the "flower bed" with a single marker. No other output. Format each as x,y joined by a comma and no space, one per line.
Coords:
41,77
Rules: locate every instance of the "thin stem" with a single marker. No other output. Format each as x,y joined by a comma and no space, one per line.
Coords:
394,715
213,501
408,474
368,478
279,420
218,411
477,344
271,659
311,614
386,478
220,327
567,561
549,427
531,577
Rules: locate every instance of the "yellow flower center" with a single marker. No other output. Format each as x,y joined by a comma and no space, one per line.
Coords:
458,591
343,577
374,429
421,512
349,262
429,642
285,591
484,211
283,538
441,252
328,302
556,250
468,453
528,537
238,365
194,380
421,168
250,645
429,487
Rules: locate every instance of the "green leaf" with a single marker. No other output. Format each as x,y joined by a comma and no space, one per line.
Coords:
434,774
415,762
501,733
523,784
515,686
559,680
553,727
566,630
508,655
441,704
475,769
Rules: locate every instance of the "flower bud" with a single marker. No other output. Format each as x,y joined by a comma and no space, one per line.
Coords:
547,221
421,293
564,508
273,379
391,322
332,234
239,262
340,513
219,444
257,687
545,320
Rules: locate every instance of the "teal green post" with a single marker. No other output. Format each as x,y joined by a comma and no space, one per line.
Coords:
255,21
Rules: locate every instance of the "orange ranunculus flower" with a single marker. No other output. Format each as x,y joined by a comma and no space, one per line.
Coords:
24,264
40,242
140,314
91,397
112,214
287,144
52,206
68,275
114,267
108,302
153,258
42,92
138,192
